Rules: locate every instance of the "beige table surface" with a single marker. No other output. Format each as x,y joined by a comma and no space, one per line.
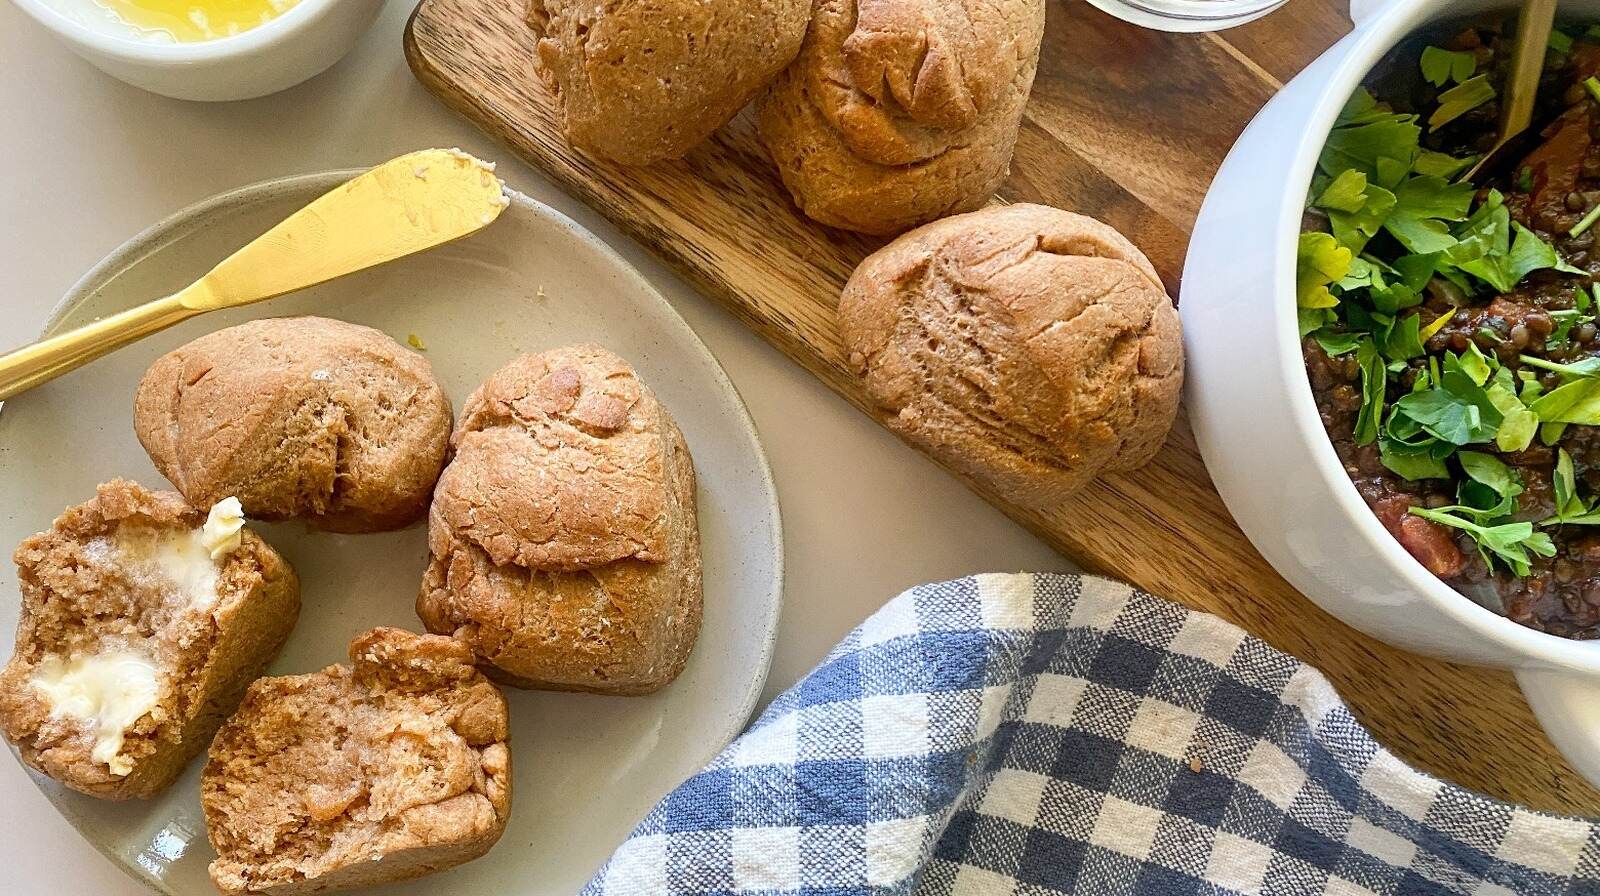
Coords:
89,161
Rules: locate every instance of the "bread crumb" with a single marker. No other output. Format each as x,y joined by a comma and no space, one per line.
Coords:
1195,765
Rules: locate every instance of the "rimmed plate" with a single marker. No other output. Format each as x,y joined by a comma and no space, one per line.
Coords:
586,767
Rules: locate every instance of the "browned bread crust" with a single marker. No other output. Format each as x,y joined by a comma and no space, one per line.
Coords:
386,770
643,82
898,112
1027,347
300,417
78,600
563,542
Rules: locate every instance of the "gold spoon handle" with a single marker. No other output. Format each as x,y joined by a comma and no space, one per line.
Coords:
45,360
1534,23
1521,89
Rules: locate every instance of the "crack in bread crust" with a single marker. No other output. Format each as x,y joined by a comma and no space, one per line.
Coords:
390,768
563,538
300,417
76,602
1027,347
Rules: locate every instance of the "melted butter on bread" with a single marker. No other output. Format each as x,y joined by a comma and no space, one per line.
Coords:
109,692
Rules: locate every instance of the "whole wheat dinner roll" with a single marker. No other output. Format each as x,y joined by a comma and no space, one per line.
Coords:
143,620
387,769
898,112
643,82
1024,346
563,541
299,417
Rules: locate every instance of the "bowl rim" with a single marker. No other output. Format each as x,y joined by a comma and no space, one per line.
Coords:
299,18
1371,39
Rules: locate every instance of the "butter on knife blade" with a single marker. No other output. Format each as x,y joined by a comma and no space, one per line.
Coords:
408,204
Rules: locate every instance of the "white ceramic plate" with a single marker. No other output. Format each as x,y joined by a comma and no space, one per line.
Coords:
587,768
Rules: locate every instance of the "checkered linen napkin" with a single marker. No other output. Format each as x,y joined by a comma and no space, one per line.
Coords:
1037,734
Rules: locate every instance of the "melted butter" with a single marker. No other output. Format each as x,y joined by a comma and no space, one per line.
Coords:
161,557
108,692
190,21
189,561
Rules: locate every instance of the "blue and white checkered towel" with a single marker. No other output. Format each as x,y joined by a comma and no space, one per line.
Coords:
1037,734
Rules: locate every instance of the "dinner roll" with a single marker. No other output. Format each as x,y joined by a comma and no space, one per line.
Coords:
643,82
898,112
563,543
143,620
1026,347
393,767
299,417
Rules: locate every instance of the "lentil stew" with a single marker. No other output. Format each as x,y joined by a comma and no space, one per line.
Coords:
1449,330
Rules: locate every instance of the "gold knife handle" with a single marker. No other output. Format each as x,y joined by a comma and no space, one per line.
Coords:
47,359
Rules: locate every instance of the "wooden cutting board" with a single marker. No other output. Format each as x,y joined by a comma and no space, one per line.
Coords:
1126,125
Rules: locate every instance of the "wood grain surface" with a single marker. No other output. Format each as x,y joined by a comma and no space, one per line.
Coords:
1126,125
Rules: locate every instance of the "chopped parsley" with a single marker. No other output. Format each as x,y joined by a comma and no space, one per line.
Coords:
1400,228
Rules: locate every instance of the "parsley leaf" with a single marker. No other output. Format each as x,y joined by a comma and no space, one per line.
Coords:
1475,365
1461,99
1409,464
1346,193
1364,135
1441,66
1321,261
1404,339
1374,382
1530,253
1336,344
1491,472
1510,542
1356,209
1434,197
1565,485
1574,402
1456,408
1439,164
1520,425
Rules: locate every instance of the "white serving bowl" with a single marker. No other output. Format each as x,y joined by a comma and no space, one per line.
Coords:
1257,423
300,43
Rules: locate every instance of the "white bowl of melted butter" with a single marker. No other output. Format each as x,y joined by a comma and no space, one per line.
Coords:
208,49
